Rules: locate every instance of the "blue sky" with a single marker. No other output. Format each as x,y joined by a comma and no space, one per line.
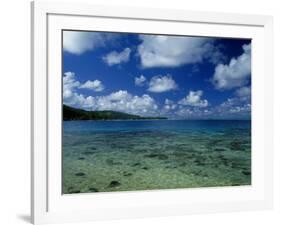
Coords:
181,77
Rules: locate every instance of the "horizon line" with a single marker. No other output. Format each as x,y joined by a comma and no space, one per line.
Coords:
167,118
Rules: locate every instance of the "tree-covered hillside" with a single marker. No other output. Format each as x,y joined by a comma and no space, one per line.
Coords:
70,113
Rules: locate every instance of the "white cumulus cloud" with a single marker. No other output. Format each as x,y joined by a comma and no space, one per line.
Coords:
243,92
120,100
126,102
169,104
95,85
160,84
140,81
78,42
194,99
234,106
172,51
114,57
120,95
70,85
236,73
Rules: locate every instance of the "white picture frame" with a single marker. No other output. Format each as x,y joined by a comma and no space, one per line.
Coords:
49,205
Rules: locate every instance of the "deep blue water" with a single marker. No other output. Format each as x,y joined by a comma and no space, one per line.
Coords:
154,125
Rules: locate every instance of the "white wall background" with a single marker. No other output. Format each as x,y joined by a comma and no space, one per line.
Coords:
15,109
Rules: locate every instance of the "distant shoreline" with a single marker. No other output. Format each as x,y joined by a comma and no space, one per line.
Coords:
70,113
248,120
75,114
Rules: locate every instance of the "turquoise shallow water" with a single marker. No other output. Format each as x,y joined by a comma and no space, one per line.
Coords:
103,156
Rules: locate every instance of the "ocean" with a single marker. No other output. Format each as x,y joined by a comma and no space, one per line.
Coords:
106,156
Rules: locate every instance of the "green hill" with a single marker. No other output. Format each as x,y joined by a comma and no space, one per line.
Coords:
70,113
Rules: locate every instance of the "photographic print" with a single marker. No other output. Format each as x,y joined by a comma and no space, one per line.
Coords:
154,111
